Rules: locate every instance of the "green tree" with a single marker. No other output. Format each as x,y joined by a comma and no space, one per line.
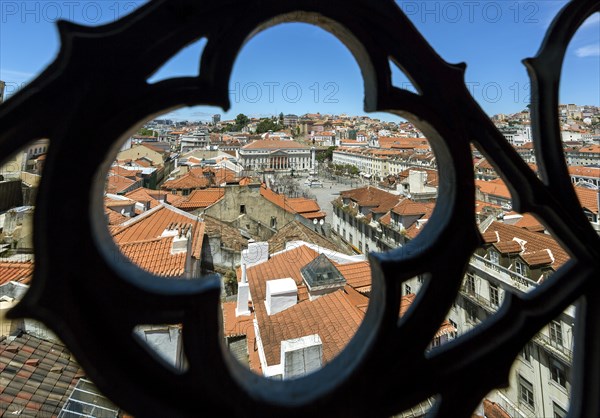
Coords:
146,132
241,121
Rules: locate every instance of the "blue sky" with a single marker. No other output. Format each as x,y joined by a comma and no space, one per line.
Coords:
299,68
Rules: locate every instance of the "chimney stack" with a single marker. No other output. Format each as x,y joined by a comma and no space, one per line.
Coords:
243,295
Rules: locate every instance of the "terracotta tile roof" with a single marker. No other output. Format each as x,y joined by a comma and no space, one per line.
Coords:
116,183
297,231
594,148
534,241
380,201
115,218
108,202
357,275
241,325
386,219
151,224
584,171
200,199
16,271
508,247
493,410
538,258
409,207
154,148
224,175
121,171
230,237
490,237
333,316
530,222
308,208
274,144
144,195
36,377
187,181
588,198
494,188
155,256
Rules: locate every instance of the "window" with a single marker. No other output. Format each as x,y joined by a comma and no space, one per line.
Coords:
520,268
556,333
526,352
273,222
470,285
559,412
453,334
407,289
366,247
242,209
494,257
526,392
494,295
420,279
470,311
558,372
360,246
350,238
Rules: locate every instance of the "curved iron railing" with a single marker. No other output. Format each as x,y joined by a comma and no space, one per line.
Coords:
99,80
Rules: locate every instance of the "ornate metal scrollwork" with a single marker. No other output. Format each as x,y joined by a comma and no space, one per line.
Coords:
95,93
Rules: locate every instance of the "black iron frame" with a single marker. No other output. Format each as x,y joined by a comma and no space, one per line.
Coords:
96,93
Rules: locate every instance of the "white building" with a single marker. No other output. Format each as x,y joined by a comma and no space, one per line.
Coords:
277,155
517,260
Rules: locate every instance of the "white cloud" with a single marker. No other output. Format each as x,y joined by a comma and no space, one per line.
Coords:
593,20
592,50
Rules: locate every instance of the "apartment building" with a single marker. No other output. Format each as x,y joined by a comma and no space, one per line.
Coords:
517,260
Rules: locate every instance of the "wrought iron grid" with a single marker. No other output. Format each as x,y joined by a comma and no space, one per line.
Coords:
93,303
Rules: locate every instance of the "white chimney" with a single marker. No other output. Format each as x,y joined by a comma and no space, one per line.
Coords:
243,297
301,356
244,278
281,294
256,253
180,245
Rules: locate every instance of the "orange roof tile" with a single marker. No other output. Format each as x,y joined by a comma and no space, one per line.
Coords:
200,199
300,205
357,275
155,256
534,241
588,198
584,171
115,218
116,183
297,231
508,247
187,181
528,221
16,271
409,207
538,258
495,188
151,225
380,201
144,195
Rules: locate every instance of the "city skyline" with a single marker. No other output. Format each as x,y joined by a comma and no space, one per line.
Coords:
299,68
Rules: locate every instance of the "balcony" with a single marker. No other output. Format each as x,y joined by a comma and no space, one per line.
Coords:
505,275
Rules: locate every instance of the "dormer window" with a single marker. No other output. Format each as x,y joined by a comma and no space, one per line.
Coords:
520,268
494,257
